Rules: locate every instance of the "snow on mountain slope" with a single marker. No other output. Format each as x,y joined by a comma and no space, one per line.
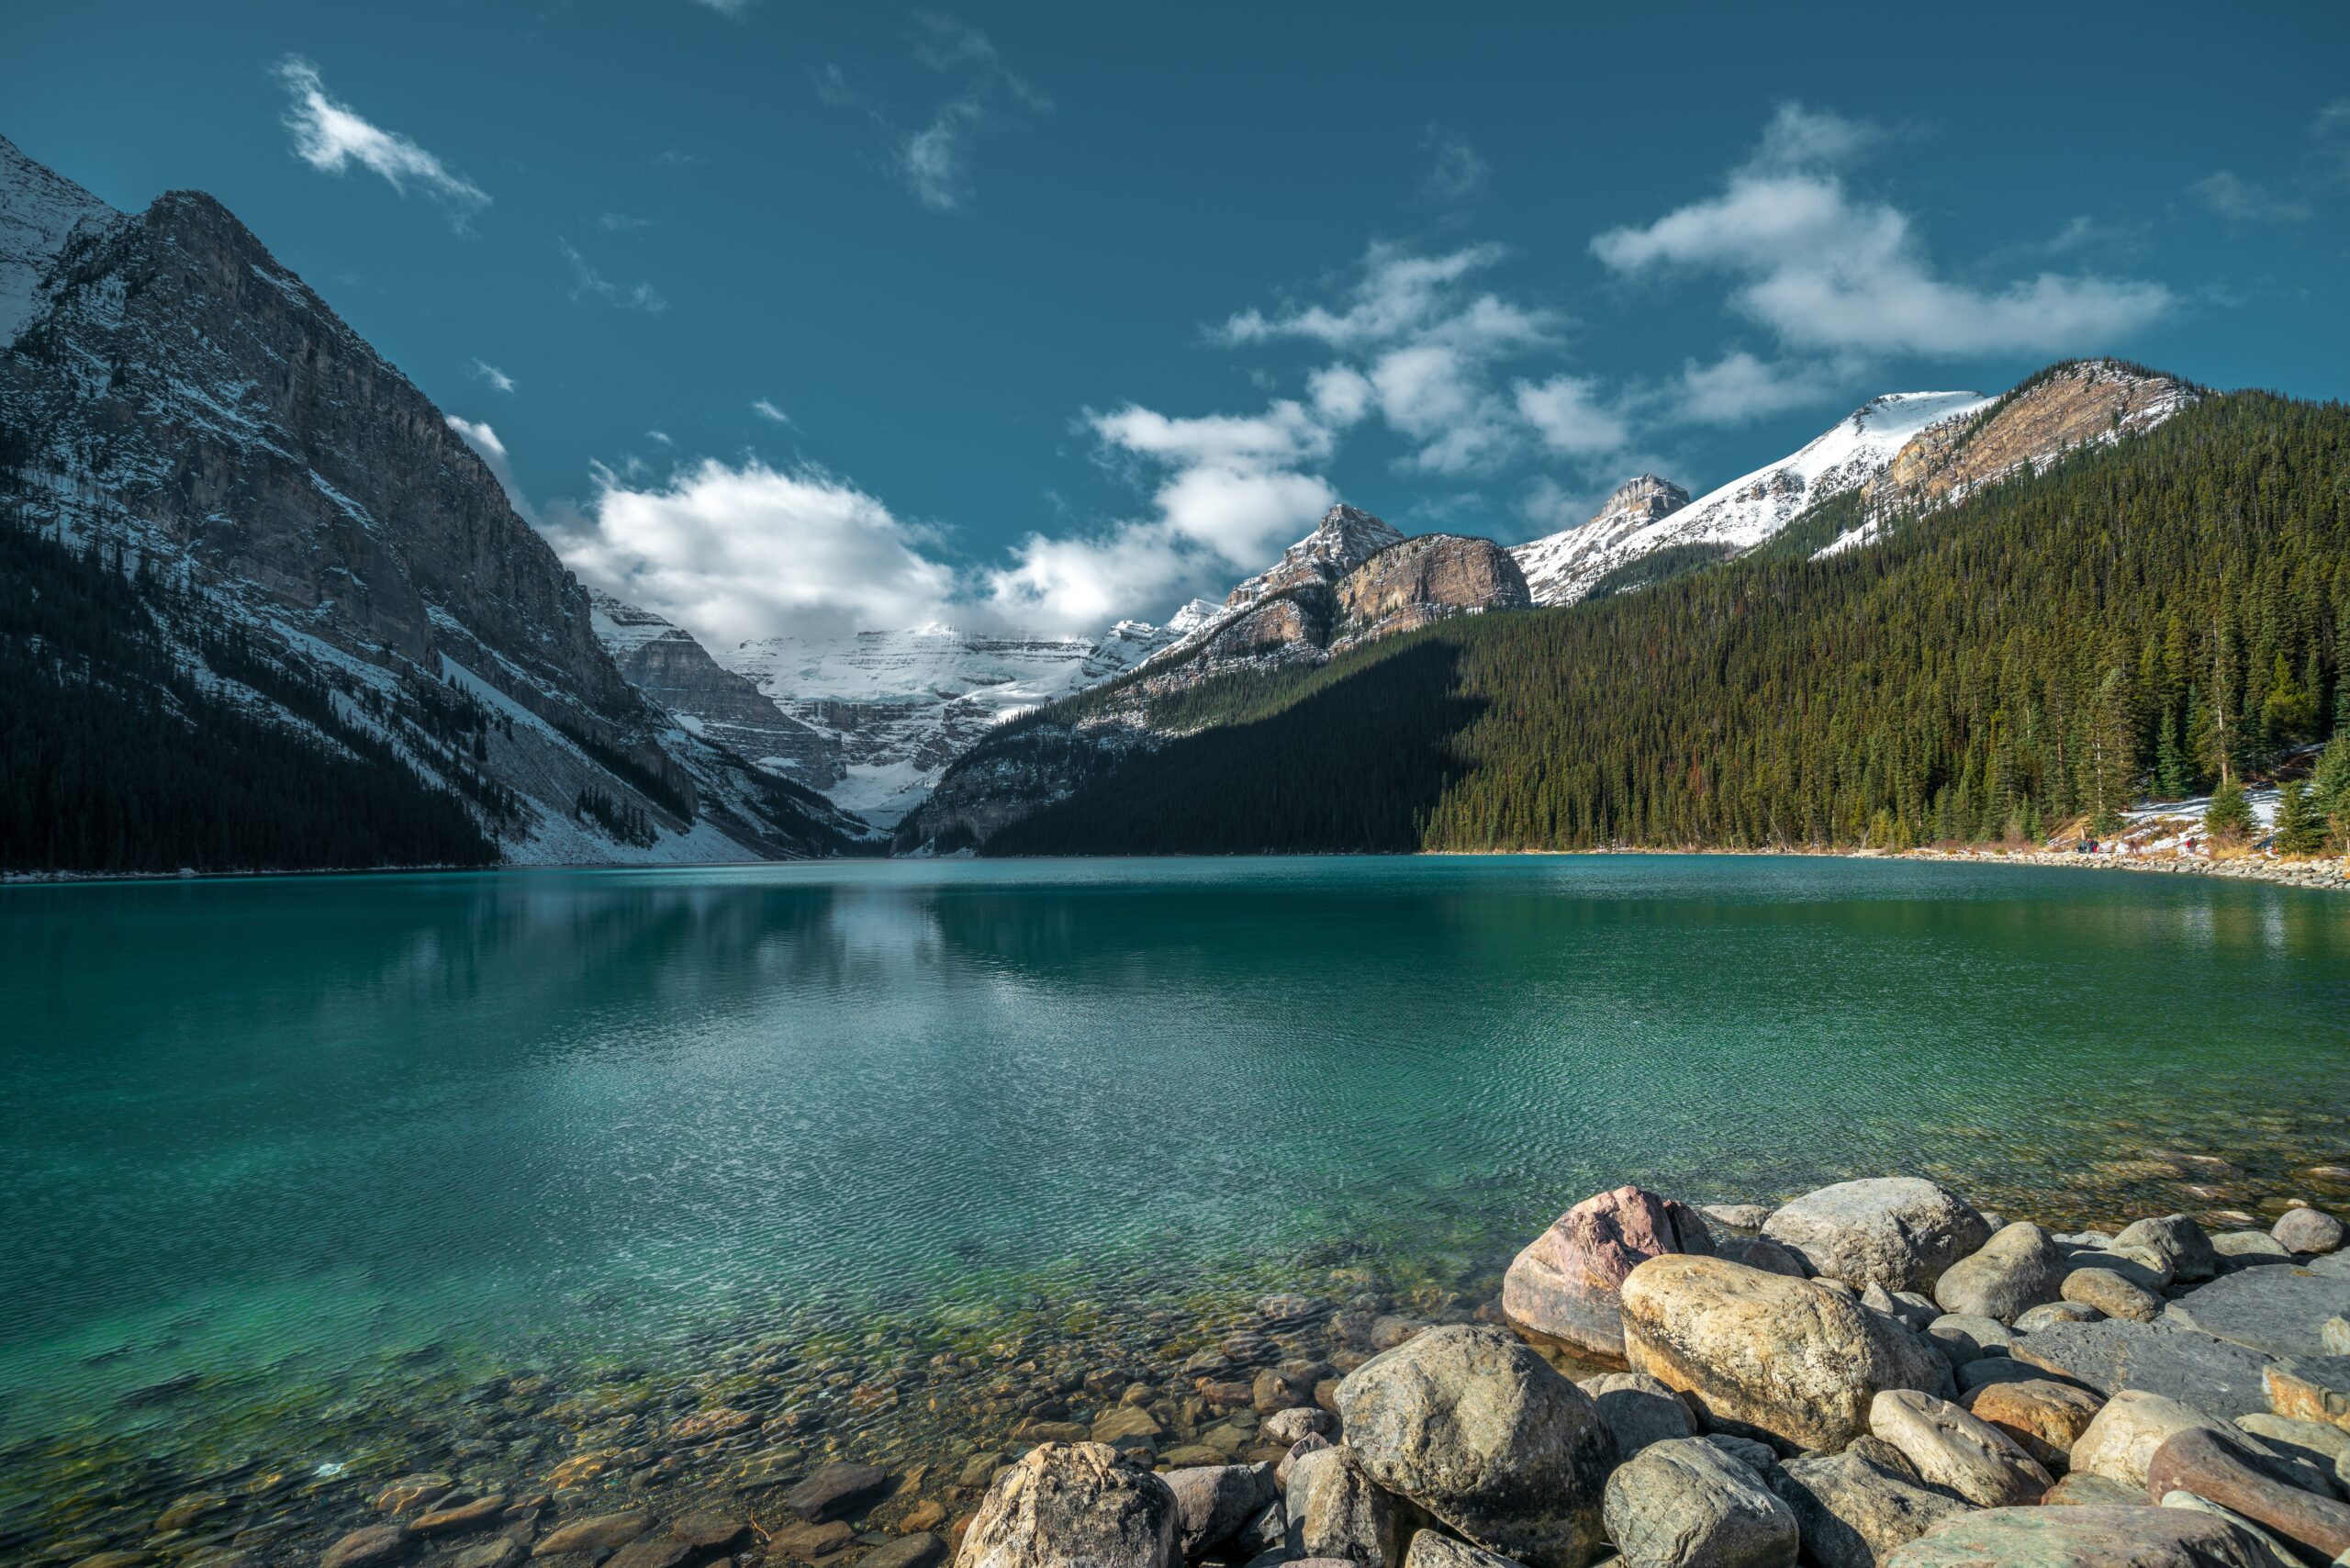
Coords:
38,208
1562,568
900,706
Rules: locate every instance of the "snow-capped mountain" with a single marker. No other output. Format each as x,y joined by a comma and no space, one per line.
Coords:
896,707
318,548
1562,568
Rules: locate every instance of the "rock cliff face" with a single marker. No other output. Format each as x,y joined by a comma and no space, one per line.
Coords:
1425,579
663,662
173,393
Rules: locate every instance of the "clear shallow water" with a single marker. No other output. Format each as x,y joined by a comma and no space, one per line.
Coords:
261,1134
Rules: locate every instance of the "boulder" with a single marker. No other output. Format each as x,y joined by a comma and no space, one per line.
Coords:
1213,1501
2047,1315
1286,1427
1335,1511
2325,1447
1476,1429
2248,1245
2223,1379
2228,1468
1073,1506
2142,1266
2308,1388
2089,1537
1684,1502
1564,1284
2278,1552
1638,1410
1950,1448
1908,1309
2112,1295
1283,1468
1900,1232
2178,1241
2081,1490
2120,1440
1269,1531
1434,1548
2308,1231
2278,1311
1766,1353
1760,1252
2019,1267
1965,1337
2043,1417
1856,1506
1737,1216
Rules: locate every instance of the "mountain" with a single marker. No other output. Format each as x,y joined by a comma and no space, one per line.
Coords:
2049,638
309,550
1640,520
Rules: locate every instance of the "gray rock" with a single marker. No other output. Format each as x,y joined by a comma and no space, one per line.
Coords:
2323,1447
1474,1427
2021,1267
2142,1266
1638,1410
1737,1216
1967,1337
919,1549
1563,1285
1269,1531
1286,1427
1434,1548
2308,1231
2112,1295
1073,1506
1213,1501
1313,1442
2090,1537
1950,1448
2221,1378
2248,1245
834,1490
2278,1551
1685,1503
2054,1312
2179,1241
2278,1311
1855,1508
1900,1232
1335,1511
1760,1252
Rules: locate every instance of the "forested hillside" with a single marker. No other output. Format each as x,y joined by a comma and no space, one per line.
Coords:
2141,616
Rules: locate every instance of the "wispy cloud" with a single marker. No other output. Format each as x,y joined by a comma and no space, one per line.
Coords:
1456,173
2240,200
768,410
497,379
589,283
621,223
933,159
657,435
329,136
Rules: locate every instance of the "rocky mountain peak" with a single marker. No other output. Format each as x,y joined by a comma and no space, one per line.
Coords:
1345,538
1642,500
39,211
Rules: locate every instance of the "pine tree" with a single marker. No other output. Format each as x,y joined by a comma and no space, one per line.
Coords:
2300,829
2170,768
2110,753
2229,814
2288,714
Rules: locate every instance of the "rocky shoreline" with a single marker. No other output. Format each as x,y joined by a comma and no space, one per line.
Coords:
1873,1373
2332,875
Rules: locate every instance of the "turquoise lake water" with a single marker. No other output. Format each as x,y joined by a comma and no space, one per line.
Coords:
259,1133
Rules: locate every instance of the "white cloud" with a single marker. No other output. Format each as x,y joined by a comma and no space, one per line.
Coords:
936,160
768,410
1566,412
1342,395
732,553
497,379
330,137
1399,294
2240,201
933,159
589,283
1739,386
661,436
1828,270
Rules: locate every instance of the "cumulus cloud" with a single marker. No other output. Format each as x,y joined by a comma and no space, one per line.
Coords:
330,136
589,283
1571,417
2238,201
1739,386
738,552
1830,271
497,379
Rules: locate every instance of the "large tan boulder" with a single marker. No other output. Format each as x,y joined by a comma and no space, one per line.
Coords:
2019,1269
1900,1232
2120,1441
1792,1359
1073,1506
1951,1449
1564,1285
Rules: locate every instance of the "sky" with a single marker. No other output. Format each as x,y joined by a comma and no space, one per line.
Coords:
787,318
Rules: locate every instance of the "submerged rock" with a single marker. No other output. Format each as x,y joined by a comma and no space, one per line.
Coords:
1900,1232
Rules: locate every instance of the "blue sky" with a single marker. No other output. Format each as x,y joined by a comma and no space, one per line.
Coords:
784,317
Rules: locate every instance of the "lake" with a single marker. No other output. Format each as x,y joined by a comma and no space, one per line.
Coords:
288,1164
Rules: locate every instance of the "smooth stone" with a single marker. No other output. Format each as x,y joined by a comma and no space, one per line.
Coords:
2142,1266
918,1551
475,1515
2241,1245
599,1532
2178,1241
2043,1417
708,1527
1767,1354
1760,1252
1433,1549
1287,1427
2091,1536
804,1542
1073,1506
2221,1378
2120,1441
651,1552
2277,1311
1907,1309
1336,1509
1856,1506
2080,1489
189,1510
1214,1501
1965,1337
1474,1427
1737,1216
2021,1267
1127,1426
374,1543
2048,1314
2226,1468
1387,1332
2107,1291
1684,1502
1900,1232
1951,1449
500,1551
2310,1388
2308,1231
410,1492
834,1490
1564,1284
1638,1410
2326,1448
1186,1454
